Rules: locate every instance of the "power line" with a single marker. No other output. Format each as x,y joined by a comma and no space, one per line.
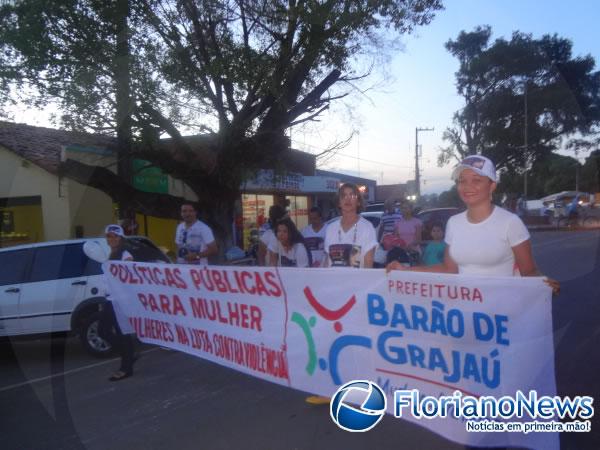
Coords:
312,147
374,162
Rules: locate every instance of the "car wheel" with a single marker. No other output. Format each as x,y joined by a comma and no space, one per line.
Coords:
90,338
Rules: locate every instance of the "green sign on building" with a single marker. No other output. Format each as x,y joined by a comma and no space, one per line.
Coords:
149,179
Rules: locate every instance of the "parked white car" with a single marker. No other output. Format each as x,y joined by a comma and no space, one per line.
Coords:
54,287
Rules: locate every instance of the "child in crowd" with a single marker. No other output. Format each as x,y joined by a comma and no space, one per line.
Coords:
314,236
434,252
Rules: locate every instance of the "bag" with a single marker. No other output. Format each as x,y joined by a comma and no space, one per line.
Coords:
397,254
390,241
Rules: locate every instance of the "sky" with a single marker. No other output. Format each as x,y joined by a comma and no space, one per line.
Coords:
420,91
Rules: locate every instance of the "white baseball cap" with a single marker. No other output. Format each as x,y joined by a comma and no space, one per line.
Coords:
114,229
479,164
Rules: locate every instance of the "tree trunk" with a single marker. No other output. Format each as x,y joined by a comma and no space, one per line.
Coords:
218,213
597,159
123,103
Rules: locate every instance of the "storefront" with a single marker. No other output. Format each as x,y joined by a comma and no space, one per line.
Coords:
22,221
253,215
295,192
366,187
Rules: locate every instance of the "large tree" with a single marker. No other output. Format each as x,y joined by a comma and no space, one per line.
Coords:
590,173
554,173
517,87
235,73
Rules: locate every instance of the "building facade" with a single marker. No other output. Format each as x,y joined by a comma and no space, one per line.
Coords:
38,204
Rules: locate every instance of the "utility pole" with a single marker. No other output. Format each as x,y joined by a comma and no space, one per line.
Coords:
417,170
525,146
576,171
358,151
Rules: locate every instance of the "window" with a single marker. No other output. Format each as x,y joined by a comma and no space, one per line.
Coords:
426,217
374,220
62,261
298,210
255,213
76,264
46,263
13,266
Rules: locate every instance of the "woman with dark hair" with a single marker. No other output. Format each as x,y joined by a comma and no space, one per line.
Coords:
291,250
121,340
267,240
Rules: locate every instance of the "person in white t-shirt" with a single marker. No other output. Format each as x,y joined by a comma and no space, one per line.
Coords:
350,241
267,243
291,250
485,239
109,329
314,236
194,239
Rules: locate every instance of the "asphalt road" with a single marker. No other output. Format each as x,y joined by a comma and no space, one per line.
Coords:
53,396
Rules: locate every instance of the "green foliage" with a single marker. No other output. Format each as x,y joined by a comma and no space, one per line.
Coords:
236,73
562,93
554,173
450,198
65,51
590,173
204,65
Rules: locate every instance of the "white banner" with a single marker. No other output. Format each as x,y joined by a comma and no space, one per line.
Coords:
316,329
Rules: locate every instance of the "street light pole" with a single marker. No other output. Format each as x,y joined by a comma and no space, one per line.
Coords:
525,146
417,170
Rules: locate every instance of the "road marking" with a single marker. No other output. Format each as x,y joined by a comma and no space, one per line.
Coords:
68,372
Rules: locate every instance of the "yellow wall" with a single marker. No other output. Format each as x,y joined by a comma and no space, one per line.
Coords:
89,208
66,204
28,225
160,231
20,178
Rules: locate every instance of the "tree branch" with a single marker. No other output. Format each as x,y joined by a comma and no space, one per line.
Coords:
313,96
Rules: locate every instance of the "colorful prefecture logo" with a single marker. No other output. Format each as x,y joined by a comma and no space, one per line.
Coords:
331,315
358,406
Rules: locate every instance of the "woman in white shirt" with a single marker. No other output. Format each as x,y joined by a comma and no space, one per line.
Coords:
485,239
291,250
351,240
121,342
